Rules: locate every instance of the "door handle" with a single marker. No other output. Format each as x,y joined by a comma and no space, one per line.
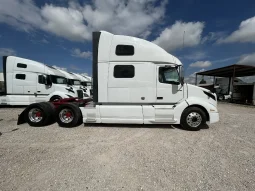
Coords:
38,91
159,97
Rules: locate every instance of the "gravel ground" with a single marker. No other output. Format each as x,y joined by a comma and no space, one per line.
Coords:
129,157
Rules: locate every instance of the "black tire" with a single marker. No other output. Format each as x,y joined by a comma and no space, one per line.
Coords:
51,111
187,119
44,111
55,98
73,110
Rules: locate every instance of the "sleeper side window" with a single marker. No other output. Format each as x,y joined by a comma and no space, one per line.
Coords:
124,71
41,79
20,76
125,50
20,65
168,75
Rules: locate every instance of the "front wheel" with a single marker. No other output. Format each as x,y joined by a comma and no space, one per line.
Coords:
55,98
193,118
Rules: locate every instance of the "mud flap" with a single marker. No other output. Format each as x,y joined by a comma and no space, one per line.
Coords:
21,118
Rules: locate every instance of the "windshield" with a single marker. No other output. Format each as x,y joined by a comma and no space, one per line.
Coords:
76,82
168,75
86,83
58,80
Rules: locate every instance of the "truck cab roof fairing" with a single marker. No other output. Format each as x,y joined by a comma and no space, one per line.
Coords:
53,71
143,50
67,74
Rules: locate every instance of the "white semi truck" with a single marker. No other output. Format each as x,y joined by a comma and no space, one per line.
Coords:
135,82
73,80
83,84
88,83
27,81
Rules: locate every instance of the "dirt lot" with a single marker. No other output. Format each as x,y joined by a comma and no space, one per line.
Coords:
129,157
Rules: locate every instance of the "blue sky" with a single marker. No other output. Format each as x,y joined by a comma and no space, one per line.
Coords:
58,32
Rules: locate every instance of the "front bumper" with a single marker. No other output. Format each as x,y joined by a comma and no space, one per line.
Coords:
214,117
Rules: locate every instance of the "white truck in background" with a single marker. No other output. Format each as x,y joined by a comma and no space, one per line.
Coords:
135,82
27,81
88,83
83,85
74,81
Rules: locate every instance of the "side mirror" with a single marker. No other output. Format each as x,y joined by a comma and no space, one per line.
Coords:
69,82
48,81
182,80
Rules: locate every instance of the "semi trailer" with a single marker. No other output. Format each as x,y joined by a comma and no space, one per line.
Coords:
27,81
134,82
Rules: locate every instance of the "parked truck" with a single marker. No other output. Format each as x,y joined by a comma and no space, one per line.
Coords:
73,80
83,84
27,81
135,82
88,83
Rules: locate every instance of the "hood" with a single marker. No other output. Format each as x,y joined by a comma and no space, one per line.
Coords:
201,93
197,87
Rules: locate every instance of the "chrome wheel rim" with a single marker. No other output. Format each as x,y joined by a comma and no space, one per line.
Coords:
35,115
66,116
194,119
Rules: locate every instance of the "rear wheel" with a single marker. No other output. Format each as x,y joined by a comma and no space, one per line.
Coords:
68,115
193,118
38,114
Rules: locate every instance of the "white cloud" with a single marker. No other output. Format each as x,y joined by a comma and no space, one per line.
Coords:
76,22
60,68
45,41
23,15
201,64
65,22
198,55
226,59
192,77
7,52
245,33
78,53
212,37
172,37
248,59
73,67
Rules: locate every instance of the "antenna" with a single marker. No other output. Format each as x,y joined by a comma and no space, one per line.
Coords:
183,39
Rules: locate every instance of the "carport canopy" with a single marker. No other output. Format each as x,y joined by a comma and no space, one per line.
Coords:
235,70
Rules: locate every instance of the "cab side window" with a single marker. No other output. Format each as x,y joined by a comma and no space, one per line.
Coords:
20,76
20,65
124,71
168,75
125,50
41,79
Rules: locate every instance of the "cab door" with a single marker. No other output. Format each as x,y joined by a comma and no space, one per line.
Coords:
169,88
42,89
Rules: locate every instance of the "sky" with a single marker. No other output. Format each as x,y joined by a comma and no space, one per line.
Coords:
203,34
